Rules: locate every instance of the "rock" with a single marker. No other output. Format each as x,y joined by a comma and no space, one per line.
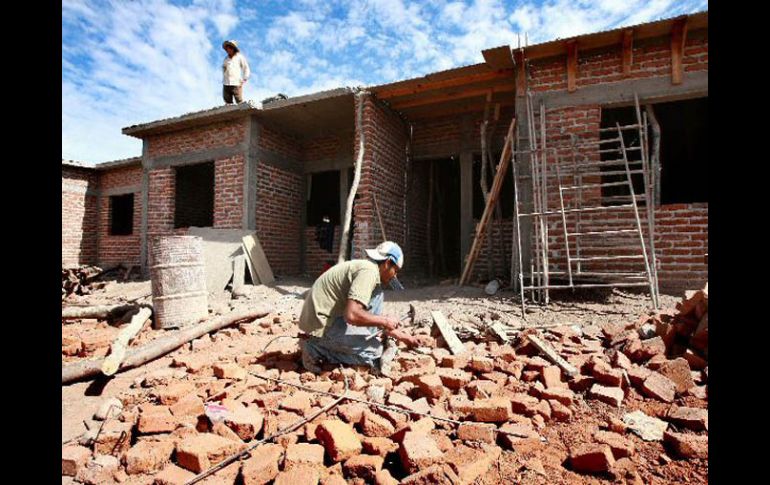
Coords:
609,395
339,439
110,408
620,446
688,445
646,427
592,458
695,419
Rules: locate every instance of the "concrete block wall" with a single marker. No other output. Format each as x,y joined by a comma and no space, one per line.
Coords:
79,210
382,173
120,249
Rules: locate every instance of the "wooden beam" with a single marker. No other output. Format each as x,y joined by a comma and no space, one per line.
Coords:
454,343
468,93
678,36
498,57
453,110
628,51
521,73
572,65
422,87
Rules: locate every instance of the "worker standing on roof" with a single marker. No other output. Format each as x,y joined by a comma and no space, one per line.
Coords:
342,310
235,71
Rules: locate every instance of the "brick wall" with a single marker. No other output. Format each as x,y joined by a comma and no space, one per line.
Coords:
214,135
120,249
382,173
315,257
78,239
326,147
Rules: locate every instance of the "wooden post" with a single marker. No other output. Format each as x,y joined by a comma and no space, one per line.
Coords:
628,51
678,36
572,65
361,97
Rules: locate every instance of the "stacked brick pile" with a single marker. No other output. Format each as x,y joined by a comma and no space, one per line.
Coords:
506,398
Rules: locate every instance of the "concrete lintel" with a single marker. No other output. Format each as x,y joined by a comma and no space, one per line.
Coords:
131,189
339,163
655,89
198,156
277,160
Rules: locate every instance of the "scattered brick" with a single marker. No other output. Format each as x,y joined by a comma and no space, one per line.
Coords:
419,406
620,446
73,458
433,475
454,378
303,454
483,432
99,470
229,371
175,391
424,426
564,396
378,446
592,458
430,385
298,475
245,422
363,466
114,439
696,361
339,439
696,419
418,451
604,374
544,410
481,364
351,412
148,456
519,433
173,475
581,383
609,395
637,374
559,411
221,429
383,477
659,387
335,480
551,377
262,467
493,410
678,370
688,445
299,402
398,399
622,361
156,419
189,405
482,389
278,420
200,452
373,425
524,404
469,463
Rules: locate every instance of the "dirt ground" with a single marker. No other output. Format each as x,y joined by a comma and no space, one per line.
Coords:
535,464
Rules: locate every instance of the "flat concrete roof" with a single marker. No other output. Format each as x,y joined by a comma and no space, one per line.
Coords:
220,113
75,163
126,162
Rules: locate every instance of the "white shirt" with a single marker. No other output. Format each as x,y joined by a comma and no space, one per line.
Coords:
235,70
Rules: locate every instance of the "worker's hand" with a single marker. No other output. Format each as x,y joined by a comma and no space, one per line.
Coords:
390,324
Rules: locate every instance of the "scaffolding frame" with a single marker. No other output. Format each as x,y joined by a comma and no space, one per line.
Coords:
576,172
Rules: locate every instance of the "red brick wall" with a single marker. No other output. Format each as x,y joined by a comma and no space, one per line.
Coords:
214,135
120,249
279,206
382,173
326,147
78,239
228,192
315,257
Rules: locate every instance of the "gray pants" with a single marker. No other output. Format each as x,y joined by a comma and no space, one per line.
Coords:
343,343
228,92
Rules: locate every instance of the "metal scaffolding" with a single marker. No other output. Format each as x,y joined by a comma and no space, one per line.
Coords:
582,234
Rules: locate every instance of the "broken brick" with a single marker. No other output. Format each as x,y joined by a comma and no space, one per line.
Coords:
524,404
580,383
424,426
278,420
419,406
189,405
352,412
688,445
262,466
378,446
200,452
383,477
484,432
620,446
696,361
482,389
544,410
469,463
678,370
418,451
481,364
454,361
156,419
148,456
221,429
398,399
564,396
363,466
339,439
245,422
513,434
100,469
299,402
433,475
592,458
229,371
373,425
559,411
638,374
303,453
114,438
621,360
695,419
173,475
606,375
659,387
175,391
298,475
609,395
552,377
73,458
492,410
454,378
430,385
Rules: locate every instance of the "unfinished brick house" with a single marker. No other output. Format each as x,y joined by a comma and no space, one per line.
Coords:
281,168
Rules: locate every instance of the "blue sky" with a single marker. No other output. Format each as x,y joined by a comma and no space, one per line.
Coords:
132,61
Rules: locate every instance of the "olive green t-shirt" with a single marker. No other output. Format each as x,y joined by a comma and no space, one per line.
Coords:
326,300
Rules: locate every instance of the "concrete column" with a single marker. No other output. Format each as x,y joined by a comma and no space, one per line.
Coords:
145,201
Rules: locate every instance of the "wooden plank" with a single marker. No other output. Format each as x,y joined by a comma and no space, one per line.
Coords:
498,57
500,331
462,94
253,250
250,267
572,65
628,51
239,270
428,85
454,343
678,36
521,73
551,355
497,184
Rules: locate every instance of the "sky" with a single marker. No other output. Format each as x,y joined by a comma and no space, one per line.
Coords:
126,62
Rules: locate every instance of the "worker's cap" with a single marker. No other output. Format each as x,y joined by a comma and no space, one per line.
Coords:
230,43
387,250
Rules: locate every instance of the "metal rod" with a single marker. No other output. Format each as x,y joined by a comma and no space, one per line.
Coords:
564,225
584,209
611,258
597,233
590,285
648,196
544,194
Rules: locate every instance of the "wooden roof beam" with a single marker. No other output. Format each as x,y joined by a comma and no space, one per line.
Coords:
521,73
428,85
572,65
678,37
498,57
628,51
468,93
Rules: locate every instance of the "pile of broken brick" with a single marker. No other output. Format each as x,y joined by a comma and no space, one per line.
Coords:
182,420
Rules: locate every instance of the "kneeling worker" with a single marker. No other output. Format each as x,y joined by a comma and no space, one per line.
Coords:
342,310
